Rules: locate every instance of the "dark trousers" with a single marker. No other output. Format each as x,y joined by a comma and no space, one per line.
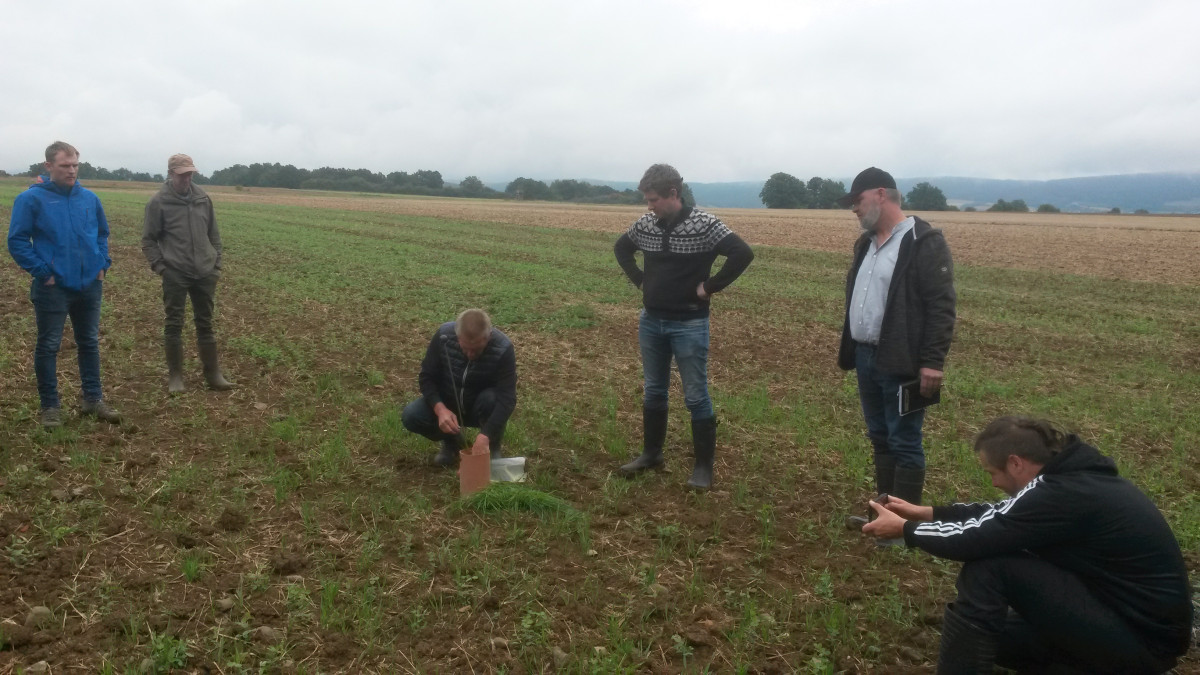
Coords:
177,288
890,432
51,307
419,418
1048,620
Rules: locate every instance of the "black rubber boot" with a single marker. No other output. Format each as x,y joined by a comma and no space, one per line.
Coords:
494,448
448,454
654,432
704,444
885,474
909,484
212,368
966,648
174,350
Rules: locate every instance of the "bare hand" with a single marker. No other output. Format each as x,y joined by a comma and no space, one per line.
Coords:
908,511
49,282
482,444
700,293
931,381
447,421
100,276
887,525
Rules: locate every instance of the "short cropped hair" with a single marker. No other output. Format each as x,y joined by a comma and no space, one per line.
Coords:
473,324
893,195
662,178
56,147
1035,440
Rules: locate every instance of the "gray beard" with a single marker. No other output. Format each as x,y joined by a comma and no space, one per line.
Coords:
870,222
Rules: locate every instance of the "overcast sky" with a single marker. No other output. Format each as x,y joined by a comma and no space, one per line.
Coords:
723,89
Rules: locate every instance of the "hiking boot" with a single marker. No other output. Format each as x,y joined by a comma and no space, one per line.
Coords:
101,411
212,368
654,432
51,418
704,444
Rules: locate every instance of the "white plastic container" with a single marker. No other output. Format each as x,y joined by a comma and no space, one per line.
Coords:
510,469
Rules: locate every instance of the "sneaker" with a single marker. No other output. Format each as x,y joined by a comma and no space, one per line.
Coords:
51,418
101,411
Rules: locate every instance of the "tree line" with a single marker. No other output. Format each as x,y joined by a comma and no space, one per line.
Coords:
89,172
780,191
785,191
422,182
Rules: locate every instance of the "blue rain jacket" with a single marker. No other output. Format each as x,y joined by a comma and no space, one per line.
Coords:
59,232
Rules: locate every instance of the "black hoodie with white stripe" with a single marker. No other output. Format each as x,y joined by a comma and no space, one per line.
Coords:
1079,515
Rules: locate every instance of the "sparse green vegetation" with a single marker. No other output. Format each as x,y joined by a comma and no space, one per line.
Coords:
293,520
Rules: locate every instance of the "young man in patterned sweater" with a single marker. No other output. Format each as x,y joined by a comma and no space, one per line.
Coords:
679,245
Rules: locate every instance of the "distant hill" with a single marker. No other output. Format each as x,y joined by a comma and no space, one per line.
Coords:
1154,192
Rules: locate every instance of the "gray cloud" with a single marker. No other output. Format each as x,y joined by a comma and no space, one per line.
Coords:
725,91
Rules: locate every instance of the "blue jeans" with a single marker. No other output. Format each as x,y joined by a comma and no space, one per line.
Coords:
51,307
687,342
889,431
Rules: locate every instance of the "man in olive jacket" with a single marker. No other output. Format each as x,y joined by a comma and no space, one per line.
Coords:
181,241
898,325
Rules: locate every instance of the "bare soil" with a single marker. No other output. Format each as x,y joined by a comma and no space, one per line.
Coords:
139,560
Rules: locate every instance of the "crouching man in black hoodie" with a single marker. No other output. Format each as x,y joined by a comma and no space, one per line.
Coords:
1078,571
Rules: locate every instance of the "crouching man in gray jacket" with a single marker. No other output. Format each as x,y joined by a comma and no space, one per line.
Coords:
181,241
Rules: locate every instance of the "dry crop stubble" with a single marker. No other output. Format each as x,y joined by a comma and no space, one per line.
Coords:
1130,247
1157,248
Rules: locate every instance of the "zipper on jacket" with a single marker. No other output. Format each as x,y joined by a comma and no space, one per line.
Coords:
462,391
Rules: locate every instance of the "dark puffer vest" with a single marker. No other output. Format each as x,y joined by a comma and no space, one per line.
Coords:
448,377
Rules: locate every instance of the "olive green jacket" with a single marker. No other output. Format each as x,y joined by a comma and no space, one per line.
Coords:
180,232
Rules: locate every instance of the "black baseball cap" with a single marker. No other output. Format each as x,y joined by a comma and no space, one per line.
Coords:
868,179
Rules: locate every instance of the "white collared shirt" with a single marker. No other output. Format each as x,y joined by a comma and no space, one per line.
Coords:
869,299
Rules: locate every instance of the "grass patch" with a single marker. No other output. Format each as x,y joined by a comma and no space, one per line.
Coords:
503,497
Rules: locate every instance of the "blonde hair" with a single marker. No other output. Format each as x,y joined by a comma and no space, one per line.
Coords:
473,323
56,147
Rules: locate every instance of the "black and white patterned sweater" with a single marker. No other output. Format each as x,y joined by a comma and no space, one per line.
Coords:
678,254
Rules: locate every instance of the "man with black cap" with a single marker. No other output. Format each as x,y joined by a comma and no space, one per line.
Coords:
898,325
181,241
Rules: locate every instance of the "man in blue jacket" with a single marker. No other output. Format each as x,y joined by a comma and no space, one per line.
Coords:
1077,572
59,235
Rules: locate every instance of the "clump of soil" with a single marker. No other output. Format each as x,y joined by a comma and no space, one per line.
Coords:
288,562
232,520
